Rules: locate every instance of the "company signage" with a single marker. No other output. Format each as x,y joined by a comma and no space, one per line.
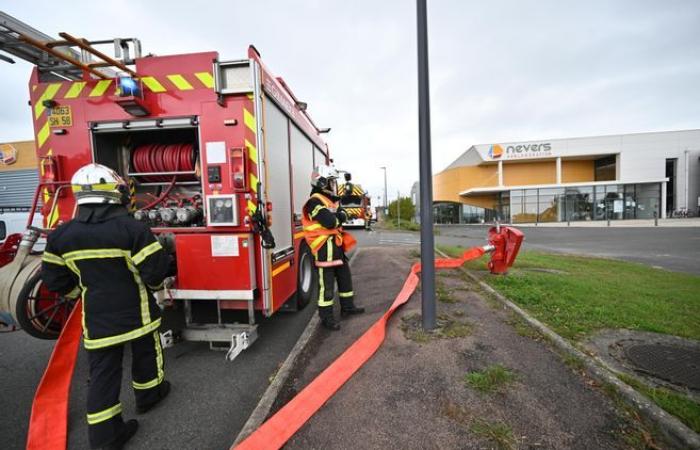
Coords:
8,154
520,151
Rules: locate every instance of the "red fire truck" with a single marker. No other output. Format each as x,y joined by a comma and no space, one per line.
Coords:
356,202
218,154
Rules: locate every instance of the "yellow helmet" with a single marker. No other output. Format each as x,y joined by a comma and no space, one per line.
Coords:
96,184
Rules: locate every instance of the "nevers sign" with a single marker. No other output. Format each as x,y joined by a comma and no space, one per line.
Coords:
517,151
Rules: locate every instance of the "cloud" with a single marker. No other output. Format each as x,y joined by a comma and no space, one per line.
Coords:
500,71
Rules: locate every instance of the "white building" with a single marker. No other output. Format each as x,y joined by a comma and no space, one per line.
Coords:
628,176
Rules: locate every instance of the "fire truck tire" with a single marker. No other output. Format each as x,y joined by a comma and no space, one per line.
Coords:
40,312
307,277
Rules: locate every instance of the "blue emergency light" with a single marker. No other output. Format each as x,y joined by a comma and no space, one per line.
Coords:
129,87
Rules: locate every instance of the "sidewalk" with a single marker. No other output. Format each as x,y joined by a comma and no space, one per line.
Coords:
630,223
412,394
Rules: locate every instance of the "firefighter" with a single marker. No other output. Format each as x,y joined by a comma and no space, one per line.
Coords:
322,220
115,263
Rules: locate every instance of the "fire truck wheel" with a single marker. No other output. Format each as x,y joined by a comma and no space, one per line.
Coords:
306,277
40,312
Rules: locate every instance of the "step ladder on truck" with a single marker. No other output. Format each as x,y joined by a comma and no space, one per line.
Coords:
218,154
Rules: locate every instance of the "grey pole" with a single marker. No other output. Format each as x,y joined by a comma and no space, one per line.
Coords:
427,244
398,208
386,205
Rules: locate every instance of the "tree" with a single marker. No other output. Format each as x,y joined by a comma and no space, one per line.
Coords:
407,209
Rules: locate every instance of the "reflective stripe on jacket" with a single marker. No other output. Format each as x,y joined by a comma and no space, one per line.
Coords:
116,262
316,235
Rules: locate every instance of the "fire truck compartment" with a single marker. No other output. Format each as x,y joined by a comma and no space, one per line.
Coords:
160,158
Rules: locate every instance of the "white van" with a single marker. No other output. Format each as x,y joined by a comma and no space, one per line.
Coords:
16,222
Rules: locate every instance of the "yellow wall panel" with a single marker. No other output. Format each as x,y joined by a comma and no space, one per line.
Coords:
577,171
449,183
25,156
544,172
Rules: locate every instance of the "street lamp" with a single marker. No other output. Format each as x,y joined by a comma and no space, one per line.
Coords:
427,244
386,204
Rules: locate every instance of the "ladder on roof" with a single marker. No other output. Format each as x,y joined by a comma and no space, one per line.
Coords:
68,59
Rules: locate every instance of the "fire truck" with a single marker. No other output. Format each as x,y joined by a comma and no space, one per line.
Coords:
356,203
218,155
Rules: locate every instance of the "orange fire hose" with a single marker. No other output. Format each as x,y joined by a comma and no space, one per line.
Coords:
277,430
48,425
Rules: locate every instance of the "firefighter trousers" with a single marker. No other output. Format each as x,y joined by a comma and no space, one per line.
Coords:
327,277
104,409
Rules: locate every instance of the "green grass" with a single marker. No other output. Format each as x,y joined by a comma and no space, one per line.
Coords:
597,293
444,295
680,406
492,379
497,432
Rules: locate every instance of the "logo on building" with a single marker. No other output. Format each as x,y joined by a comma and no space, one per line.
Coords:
495,151
8,154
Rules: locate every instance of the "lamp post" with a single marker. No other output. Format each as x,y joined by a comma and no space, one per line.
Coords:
386,204
427,243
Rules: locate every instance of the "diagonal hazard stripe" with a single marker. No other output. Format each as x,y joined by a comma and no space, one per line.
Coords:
249,121
100,88
180,82
206,79
75,89
48,94
153,84
252,151
43,135
253,183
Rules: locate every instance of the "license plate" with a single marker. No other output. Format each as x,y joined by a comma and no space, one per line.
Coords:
60,116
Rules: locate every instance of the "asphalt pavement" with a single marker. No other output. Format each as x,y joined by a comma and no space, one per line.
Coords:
671,248
212,398
210,401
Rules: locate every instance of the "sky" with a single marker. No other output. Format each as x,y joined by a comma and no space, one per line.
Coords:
500,71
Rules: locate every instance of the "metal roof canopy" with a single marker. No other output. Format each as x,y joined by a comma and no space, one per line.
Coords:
56,60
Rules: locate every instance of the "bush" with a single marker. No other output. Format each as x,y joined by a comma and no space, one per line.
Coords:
407,209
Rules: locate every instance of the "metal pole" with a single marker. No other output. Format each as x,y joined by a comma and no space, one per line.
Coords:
398,208
386,204
427,244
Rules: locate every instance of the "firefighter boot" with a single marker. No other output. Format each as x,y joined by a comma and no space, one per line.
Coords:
348,308
129,431
164,390
327,319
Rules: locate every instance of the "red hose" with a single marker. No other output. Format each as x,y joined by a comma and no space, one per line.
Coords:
162,197
163,158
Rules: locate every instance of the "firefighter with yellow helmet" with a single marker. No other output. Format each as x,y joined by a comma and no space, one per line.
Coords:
115,263
322,219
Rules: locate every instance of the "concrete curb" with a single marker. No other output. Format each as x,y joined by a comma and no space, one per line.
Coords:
671,426
262,410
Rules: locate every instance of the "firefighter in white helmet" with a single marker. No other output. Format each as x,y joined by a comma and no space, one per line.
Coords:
115,263
322,220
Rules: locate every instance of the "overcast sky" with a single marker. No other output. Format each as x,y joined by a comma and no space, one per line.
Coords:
500,70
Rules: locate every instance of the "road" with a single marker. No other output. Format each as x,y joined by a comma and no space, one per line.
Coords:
212,398
210,401
671,248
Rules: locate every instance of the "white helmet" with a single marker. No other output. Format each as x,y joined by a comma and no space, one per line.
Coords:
97,184
324,178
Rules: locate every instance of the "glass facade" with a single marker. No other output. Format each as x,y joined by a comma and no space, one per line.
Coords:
453,213
580,203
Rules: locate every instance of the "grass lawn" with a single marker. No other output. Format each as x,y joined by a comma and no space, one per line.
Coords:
578,296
